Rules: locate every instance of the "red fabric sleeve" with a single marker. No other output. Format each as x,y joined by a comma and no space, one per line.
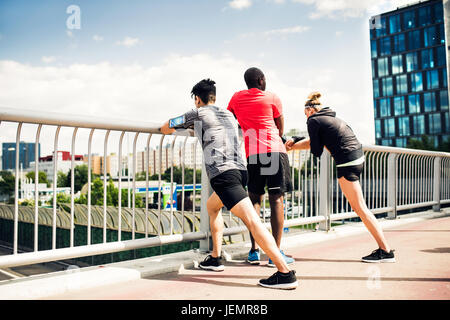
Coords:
277,107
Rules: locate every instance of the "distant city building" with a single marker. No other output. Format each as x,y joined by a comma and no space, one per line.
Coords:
26,155
410,73
64,164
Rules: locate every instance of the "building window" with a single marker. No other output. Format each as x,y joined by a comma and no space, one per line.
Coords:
381,31
434,123
447,121
424,16
427,59
386,84
444,77
414,39
432,79
389,128
441,34
376,88
414,103
438,13
399,43
443,97
409,19
385,107
399,106
386,142
429,101
400,142
403,126
441,58
377,129
394,24
385,46
402,84
419,124
373,48
411,62
397,64
416,82
430,37
383,67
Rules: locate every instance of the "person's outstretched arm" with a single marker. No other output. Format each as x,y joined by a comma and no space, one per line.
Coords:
165,129
301,145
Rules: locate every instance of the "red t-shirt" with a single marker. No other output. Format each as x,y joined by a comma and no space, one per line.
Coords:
255,111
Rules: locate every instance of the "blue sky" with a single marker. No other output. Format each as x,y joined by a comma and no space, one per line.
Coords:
131,57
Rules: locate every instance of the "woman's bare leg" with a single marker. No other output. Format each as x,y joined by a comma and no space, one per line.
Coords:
353,192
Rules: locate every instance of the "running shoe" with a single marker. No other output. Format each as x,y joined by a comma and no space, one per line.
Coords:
253,257
288,260
379,255
211,263
280,281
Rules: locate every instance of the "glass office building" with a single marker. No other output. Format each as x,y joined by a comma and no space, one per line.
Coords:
26,155
409,73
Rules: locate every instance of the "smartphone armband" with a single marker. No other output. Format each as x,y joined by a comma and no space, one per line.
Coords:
176,122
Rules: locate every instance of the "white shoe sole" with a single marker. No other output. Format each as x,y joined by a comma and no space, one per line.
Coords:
283,286
212,268
390,260
254,262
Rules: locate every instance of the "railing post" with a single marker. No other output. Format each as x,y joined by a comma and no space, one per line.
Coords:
206,244
324,191
392,185
437,184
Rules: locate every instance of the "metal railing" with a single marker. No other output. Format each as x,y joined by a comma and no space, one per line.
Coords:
394,179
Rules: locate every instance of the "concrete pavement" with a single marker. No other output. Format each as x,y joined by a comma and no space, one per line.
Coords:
327,269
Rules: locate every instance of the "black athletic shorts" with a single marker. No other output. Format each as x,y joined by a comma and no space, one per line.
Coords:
271,169
351,173
230,187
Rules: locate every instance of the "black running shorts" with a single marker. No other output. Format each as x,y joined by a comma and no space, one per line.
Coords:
350,173
230,187
271,170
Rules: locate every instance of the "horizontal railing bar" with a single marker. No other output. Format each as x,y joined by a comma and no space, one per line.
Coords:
405,151
417,205
68,120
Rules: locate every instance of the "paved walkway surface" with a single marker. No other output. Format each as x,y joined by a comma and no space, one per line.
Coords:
325,270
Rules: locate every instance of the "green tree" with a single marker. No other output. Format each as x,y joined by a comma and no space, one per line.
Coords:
424,143
7,183
81,177
42,177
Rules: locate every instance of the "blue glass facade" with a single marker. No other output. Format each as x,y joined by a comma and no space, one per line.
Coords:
409,74
26,154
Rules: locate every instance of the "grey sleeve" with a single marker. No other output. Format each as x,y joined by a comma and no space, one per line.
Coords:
189,118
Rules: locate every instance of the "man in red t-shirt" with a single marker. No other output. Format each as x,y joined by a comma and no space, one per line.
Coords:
260,116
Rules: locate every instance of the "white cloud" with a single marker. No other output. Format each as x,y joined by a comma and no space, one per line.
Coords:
97,38
240,4
48,59
128,42
285,31
351,8
154,93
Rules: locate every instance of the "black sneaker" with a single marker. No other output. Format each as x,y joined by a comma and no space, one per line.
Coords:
211,263
280,281
379,255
